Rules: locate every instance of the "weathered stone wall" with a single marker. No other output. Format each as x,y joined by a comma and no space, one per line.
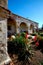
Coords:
3,42
3,3
28,22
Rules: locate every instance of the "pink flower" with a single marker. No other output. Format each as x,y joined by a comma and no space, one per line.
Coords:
37,44
26,35
35,38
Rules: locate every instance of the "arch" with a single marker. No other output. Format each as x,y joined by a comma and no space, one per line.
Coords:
32,27
11,26
23,27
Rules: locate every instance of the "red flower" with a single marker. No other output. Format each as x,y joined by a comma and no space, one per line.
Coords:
26,35
35,38
37,44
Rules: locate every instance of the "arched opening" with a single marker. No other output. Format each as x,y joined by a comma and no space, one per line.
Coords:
11,26
23,27
32,27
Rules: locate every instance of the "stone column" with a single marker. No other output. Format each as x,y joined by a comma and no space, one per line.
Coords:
4,3
17,27
28,27
4,58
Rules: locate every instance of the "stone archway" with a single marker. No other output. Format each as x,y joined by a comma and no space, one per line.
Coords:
32,27
23,27
11,26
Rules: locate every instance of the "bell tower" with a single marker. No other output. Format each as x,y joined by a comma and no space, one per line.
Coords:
3,3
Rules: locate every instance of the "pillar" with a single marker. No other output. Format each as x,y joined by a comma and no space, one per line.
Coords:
4,3
4,58
17,27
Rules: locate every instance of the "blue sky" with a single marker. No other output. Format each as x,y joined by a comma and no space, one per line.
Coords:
31,9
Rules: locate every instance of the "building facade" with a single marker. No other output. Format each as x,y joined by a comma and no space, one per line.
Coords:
19,24
12,23
16,23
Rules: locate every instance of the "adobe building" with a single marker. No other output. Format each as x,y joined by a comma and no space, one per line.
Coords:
16,23
12,23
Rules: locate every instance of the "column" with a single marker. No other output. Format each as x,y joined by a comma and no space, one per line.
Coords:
4,57
17,27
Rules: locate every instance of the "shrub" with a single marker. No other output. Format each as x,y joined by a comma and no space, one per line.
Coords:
40,41
23,34
41,63
33,34
18,46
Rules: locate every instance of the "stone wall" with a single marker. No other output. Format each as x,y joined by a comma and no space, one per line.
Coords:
28,22
3,42
3,3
